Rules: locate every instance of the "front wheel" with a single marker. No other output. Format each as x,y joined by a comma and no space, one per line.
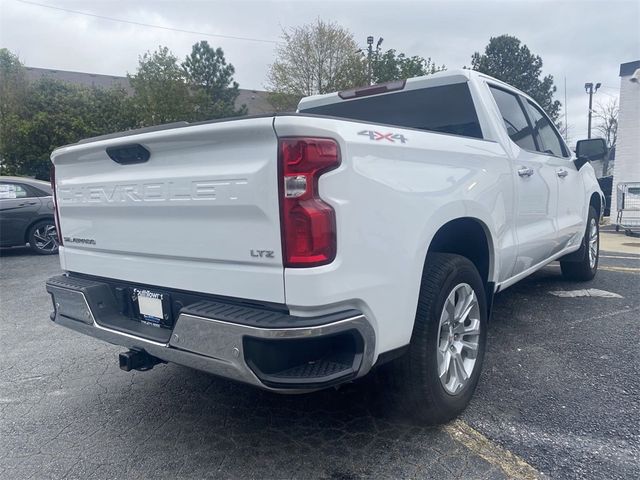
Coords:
435,380
586,268
43,238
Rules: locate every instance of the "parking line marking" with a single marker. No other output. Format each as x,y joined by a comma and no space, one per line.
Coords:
620,269
588,292
620,257
512,465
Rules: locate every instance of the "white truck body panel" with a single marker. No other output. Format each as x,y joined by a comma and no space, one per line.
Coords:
187,219
378,269
191,216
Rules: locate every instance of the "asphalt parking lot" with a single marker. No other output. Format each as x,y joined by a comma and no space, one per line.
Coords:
558,398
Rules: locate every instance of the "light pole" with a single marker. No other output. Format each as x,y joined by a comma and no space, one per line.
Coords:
588,87
370,55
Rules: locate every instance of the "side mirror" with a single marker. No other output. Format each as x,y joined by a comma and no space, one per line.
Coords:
589,151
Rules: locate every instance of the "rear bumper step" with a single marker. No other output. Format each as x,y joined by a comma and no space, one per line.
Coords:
271,350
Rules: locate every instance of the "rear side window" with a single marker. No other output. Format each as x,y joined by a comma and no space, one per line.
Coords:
444,109
546,134
515,121
12,190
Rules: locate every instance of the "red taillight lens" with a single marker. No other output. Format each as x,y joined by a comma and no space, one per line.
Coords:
308,223
55,203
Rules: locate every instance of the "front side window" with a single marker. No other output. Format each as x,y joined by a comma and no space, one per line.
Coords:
514,118
546,134
444,109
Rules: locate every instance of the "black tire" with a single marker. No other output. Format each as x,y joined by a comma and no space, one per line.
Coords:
582,269
412,380
44,229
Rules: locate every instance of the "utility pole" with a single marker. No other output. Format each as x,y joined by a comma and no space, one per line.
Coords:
588,87
566,125
370,55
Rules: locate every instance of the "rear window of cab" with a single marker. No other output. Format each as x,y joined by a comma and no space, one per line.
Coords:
443,109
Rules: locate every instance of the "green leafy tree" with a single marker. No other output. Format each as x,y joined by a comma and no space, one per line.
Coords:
12,94
107,110
207,72
507,59
319,57
161,94
13,85
57,114
38,117
391,65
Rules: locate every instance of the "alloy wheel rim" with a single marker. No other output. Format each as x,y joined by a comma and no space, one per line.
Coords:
458,338
593,243
46,238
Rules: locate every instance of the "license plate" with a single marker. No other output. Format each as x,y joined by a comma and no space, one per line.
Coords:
150,307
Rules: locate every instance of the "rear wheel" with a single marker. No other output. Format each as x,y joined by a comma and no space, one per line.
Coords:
586,268
435,380
43,238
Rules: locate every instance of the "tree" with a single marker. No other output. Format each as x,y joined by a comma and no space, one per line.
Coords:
320,57
607,126
57,114
13,85
207,71
607,116
161,94
12,94
506,59
38,117
396,66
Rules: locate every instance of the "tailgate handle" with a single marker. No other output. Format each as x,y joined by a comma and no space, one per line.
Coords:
128,154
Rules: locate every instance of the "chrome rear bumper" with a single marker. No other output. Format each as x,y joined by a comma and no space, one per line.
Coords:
232,349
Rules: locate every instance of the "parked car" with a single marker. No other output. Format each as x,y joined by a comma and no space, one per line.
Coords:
27,215
300,251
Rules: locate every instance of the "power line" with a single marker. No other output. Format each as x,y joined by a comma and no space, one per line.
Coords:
140,24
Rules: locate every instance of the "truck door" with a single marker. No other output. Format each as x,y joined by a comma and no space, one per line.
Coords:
571,212
535,185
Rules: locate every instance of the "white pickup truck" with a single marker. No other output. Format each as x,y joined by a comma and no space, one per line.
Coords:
300,251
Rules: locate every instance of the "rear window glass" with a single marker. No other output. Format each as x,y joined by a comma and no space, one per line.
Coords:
444,109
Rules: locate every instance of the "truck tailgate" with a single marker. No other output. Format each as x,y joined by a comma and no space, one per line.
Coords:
201,214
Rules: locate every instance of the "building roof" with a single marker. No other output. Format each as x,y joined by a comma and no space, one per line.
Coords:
80,78
627,69
256,100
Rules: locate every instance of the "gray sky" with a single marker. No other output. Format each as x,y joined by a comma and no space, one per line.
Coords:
582,40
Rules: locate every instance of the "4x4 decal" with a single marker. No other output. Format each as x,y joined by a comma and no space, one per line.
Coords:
392,137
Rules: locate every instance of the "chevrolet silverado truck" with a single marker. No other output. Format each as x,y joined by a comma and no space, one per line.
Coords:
299,251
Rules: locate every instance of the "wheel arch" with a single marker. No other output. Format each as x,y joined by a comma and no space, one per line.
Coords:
469,237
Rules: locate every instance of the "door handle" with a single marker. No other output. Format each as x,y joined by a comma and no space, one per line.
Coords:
525,171
562,173
24,204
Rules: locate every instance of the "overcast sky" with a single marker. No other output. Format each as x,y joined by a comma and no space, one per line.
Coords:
583,41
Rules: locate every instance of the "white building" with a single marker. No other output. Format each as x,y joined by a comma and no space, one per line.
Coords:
627,164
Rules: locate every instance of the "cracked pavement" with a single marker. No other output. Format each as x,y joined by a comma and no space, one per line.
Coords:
553,391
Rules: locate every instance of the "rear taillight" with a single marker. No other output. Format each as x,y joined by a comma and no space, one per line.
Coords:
308,224
55,203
